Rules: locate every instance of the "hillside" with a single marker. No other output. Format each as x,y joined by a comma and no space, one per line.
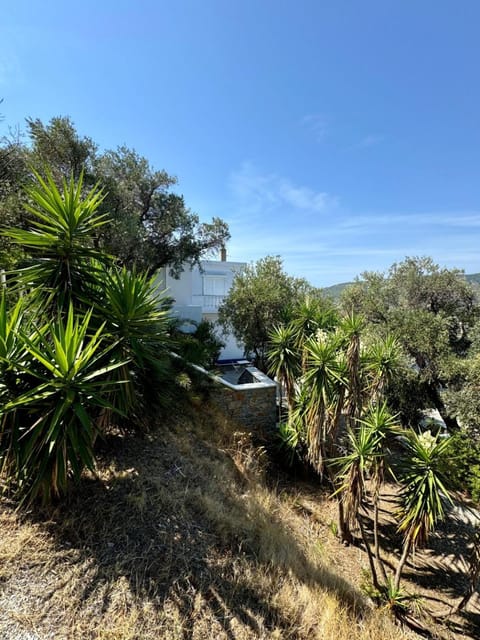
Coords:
335,291
474,278
187,533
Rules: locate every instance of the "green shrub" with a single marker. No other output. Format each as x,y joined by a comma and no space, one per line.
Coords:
60,242
85,342
464,463
50,428
202,346
137,323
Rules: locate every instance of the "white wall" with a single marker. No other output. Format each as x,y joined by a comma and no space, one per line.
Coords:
188,292
232,350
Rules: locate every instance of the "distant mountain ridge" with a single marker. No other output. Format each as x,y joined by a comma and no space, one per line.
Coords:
473,277
335,291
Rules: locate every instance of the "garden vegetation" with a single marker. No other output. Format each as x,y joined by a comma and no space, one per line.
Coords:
85,355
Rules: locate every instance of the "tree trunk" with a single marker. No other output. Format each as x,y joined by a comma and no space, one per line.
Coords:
344,529
376,542
401,563
369,553
451,423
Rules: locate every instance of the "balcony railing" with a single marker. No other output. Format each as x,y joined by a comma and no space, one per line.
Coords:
208,303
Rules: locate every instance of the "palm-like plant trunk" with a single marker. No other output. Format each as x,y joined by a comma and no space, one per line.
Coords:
368,548
376,541
407,545
343,527
378,480
316,439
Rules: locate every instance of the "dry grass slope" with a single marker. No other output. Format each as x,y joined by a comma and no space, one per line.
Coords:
179,537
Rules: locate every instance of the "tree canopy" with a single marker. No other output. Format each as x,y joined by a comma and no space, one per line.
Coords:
262,295
431,310
151,225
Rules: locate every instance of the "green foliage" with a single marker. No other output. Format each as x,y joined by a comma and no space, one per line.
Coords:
324,385
462,395
67,369
381,423
60,240
49,429
310,315
396,600
59,146
149,225
464,463
201,347
384,360
284,358
328,372
365,456
290,440
260,298
353,469
152,227
12,347
425,485
430,311
137,321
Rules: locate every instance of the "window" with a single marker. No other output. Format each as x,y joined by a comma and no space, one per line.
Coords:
214,285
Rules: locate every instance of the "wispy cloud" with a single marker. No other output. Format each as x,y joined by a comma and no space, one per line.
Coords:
319,239
317,124
262,192
434,219
369,140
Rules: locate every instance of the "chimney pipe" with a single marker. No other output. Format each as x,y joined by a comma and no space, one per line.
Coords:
223,254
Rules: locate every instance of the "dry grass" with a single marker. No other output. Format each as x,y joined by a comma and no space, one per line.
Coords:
178,537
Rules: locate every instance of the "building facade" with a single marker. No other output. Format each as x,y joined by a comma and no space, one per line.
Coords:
199,292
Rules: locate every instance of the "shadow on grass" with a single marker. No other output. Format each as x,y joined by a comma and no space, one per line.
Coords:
173,516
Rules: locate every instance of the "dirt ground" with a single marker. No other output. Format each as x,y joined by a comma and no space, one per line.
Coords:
184,535
436,574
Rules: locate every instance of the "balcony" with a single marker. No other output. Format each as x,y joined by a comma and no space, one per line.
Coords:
209,303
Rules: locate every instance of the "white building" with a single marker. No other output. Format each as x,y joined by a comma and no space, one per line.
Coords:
199,292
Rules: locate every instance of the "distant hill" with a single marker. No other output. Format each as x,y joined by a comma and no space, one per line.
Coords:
335,291
474,278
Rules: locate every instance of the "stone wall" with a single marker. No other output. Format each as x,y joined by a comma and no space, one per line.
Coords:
254,406
251,404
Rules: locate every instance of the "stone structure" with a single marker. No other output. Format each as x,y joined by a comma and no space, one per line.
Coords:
252,402
250,405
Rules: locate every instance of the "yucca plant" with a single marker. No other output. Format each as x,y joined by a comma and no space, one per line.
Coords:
12,348
325,382
284,359
55,420
64,378
60,241
13,354
291,439
353,470
136,316
310,315
384,361
425,491
350,331
384,428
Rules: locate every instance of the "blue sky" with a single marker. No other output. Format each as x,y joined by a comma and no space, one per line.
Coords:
342,135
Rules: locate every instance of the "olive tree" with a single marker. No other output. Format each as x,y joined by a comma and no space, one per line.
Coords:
261,297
